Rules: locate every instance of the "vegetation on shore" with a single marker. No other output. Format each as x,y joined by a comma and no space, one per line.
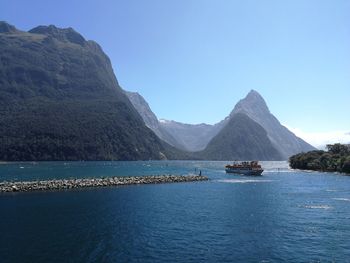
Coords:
335,159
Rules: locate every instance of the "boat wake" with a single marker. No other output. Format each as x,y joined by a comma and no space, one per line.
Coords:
243,181
278,171
342,199
325,207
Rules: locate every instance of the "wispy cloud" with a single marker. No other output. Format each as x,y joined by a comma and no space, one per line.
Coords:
321,139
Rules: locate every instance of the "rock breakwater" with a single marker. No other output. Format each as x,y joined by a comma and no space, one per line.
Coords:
63,184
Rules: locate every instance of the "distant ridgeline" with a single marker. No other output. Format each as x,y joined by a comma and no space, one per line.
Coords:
336,159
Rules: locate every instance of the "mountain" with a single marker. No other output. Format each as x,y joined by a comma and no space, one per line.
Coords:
150,119
60,100
207,140
254,106
241,139
252,132
192,137
188,137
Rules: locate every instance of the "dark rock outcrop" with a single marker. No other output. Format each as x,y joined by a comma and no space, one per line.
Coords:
7,28
61,34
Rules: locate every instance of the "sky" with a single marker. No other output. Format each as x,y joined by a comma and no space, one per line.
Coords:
193,60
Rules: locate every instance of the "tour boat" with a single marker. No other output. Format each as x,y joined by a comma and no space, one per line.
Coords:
245,168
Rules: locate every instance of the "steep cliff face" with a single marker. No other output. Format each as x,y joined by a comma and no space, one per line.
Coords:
60,100
254,106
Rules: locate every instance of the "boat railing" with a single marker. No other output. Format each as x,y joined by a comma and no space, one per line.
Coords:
244,164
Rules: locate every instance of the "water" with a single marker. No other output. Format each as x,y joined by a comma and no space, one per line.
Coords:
284,215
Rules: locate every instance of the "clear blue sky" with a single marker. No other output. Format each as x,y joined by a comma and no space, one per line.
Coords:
193,60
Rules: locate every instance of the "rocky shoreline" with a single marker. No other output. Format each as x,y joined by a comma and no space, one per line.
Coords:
64,184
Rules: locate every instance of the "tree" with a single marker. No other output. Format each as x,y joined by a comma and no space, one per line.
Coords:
337,148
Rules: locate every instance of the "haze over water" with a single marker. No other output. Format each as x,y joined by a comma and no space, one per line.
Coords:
284,215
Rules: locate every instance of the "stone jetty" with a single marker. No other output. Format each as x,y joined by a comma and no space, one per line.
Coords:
95,182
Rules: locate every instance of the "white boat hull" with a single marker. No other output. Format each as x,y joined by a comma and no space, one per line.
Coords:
243,171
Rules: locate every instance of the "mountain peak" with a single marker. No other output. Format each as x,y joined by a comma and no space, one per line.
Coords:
7,28
253,93
254,97
254,106
253,102
62,34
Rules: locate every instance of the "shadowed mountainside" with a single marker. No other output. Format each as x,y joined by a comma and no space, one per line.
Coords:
150,119
241,139
60,100
254,106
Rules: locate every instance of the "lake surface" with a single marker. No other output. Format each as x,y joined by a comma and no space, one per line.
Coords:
284,215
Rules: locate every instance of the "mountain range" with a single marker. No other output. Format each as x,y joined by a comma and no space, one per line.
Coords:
60,100
249,132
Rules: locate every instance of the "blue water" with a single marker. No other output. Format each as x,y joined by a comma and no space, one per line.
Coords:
285,215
